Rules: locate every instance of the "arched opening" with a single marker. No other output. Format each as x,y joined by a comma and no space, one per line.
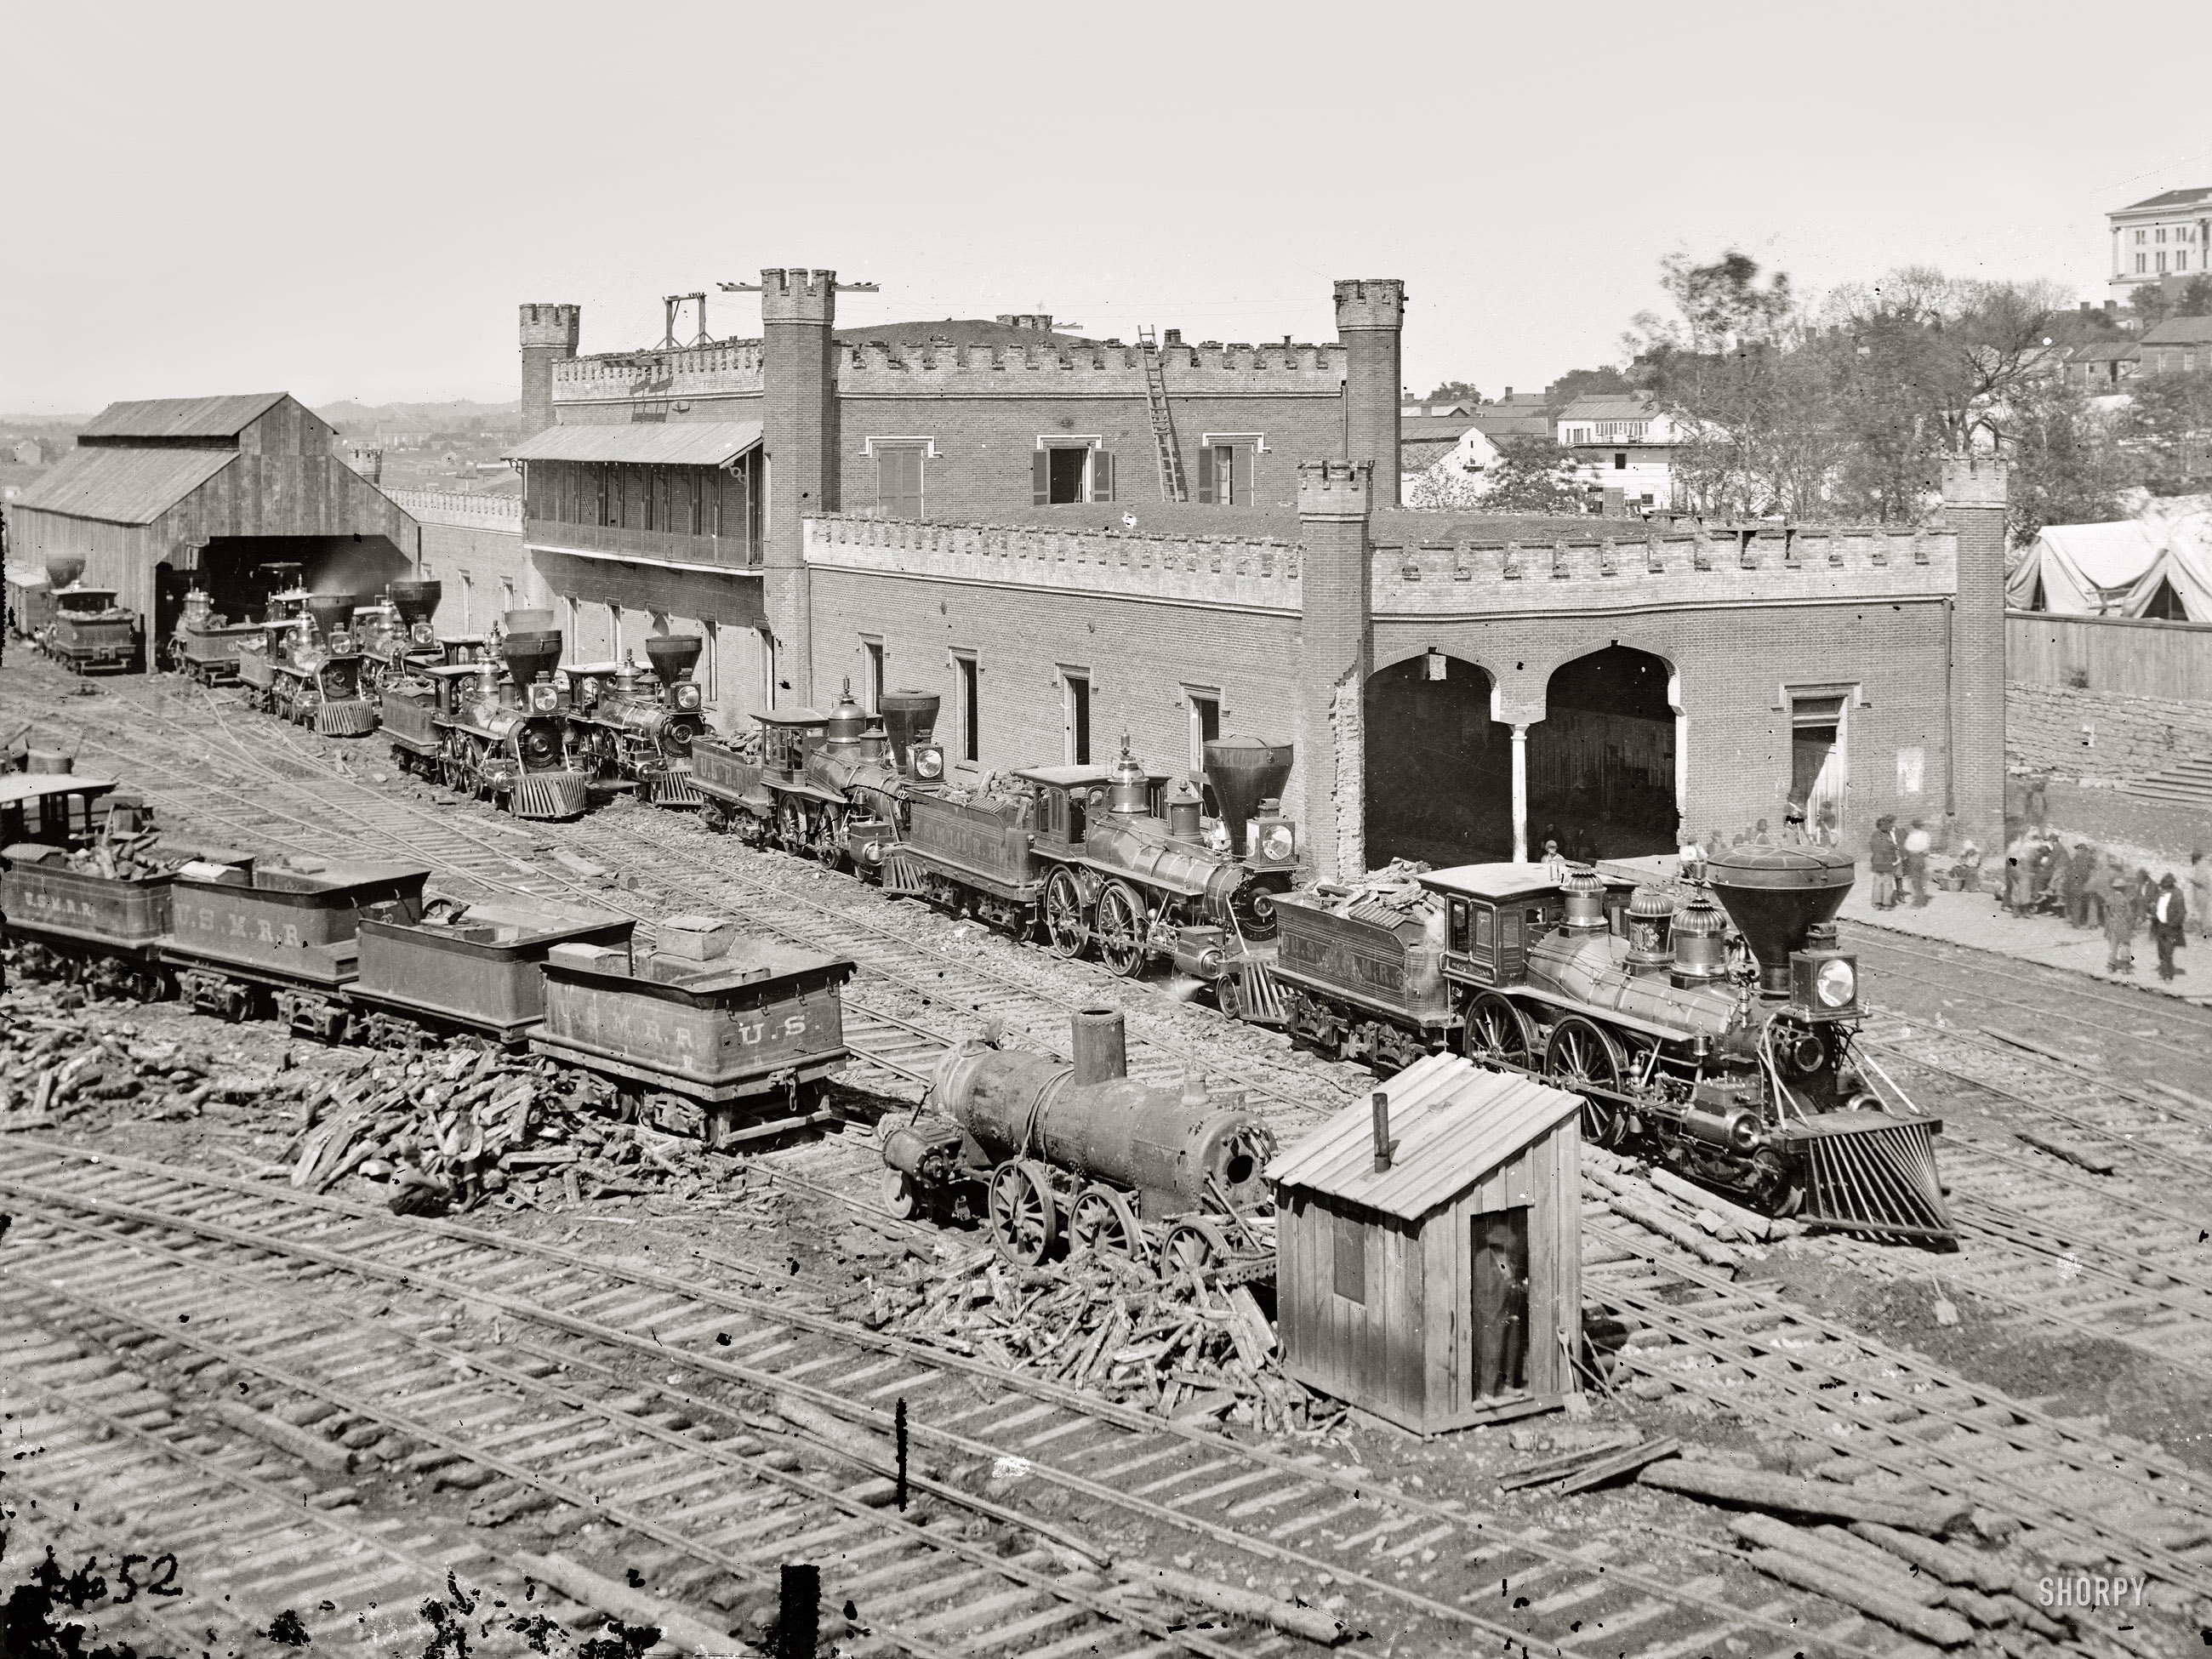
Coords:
1601,761
1439,770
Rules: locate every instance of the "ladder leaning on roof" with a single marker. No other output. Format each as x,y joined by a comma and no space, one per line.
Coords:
1170,455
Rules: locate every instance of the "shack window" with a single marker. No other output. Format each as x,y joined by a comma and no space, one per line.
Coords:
1351,1259
971,712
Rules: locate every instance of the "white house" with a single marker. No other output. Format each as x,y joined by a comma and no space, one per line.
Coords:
1623,441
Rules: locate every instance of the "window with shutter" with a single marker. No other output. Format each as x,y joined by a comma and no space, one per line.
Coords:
1041,478
1102,474
1205,474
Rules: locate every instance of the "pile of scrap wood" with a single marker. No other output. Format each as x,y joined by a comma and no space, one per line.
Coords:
57,1059
1182,1348
1396,887
449,1130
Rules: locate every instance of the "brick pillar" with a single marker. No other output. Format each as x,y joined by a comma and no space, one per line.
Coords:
1369,314
1974,507
798,374
549,337
1336,655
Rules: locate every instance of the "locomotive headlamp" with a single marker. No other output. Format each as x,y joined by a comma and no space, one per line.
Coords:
928,761
424,634
1278,841
686,696
543,699
1837,984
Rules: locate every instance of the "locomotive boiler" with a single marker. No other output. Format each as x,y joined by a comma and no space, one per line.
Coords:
832,787
396,635
504,736
315,671
84,629
1738,1074
639,724
1083,1154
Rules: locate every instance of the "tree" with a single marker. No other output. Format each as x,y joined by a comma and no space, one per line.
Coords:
2195,299
2151,304
1443,486
1585,383
2068,466
1454,392
2169,423
1534,475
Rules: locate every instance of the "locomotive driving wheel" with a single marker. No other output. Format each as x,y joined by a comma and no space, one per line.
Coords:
1121,929
1498,1034
1024,1218
1063,915
1102,1223
1583,1057
1196,1245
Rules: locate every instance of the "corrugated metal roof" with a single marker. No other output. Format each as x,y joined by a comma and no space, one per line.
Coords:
182,417
1454,1122
124,486
665,443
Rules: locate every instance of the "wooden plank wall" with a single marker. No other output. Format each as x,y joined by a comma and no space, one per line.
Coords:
2125,656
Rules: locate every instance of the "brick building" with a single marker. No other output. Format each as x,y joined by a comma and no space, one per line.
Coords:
982,509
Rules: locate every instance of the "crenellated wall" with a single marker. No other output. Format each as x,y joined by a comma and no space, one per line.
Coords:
1231,573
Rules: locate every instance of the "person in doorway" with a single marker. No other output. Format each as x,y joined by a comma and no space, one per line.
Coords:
1793,820
1824,823
2169,918
1882,857
2120,923
2199,892
1917,843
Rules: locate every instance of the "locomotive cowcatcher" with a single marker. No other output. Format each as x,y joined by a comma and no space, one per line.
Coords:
830,787
1082,1153
1112,859
1740,1076
637,726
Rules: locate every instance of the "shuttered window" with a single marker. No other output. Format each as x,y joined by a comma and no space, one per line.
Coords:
1351,1258
898,481
1224,475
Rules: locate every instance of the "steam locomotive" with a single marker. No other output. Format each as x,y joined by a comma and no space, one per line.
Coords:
640,725
502,736
396,635
307,669
1111,860
79,627
1738,1075
832,787
1079,1153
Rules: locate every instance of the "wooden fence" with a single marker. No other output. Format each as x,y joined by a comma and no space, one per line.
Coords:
2118,655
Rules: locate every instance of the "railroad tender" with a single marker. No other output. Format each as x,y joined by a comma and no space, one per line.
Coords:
633,725
1737,1074
1080,1154
83,628
205,647
1111,859
832,787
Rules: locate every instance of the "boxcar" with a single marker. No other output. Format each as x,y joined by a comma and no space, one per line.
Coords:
475,968
729,1039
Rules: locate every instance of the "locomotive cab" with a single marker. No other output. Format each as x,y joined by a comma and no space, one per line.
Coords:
1494,912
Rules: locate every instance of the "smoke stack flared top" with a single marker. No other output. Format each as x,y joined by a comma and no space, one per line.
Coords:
416,601
1245,771
673,656
330,612
908,718
532,654
1775,895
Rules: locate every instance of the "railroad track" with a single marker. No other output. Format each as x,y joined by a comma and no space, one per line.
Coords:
277,1284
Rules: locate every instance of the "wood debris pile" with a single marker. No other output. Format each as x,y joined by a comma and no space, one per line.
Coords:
1394,893
1183,1348
449,1131
58,1057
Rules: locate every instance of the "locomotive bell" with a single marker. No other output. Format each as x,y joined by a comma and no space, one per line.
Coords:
1585,896
1700,943
1650,926
1128,787
847,723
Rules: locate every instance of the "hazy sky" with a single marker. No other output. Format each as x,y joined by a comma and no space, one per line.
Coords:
348,201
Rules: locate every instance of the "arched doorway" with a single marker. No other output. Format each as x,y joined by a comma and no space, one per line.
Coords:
1438,770
1601,761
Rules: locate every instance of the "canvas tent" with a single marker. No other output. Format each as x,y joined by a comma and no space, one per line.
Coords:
2126,568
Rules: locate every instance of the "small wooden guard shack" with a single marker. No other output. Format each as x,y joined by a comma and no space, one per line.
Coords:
1428,1248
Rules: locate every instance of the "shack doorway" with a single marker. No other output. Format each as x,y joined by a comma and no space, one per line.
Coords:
1601,761
1438,770
1498,1291
170,585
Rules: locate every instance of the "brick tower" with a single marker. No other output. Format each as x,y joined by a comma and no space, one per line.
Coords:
549,337
798,373
1336,654
1974,499
1370,313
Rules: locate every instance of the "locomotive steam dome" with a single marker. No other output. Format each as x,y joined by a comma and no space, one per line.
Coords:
1128,788
1777,894
848,722
1585,901
1649,928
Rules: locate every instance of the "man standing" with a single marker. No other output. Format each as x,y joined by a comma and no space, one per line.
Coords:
1882,859
1917,842
2169,914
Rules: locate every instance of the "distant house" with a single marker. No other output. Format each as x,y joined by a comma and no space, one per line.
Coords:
2179,345
1623,441
29,452
2162,239
2101,366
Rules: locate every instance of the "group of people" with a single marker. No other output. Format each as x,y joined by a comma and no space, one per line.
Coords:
1899,862
2094,888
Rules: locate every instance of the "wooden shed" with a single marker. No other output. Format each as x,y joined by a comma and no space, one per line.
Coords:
1437,1284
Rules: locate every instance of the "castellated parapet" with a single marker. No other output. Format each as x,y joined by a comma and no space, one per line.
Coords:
552,327
1335,489
1371,302
796,294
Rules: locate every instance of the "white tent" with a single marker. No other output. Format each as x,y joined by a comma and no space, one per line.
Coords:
2115,569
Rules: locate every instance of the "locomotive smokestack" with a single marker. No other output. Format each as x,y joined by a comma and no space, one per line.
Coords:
1101,1045
1381,1102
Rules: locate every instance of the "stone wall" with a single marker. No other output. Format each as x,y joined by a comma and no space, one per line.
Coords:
2101,735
